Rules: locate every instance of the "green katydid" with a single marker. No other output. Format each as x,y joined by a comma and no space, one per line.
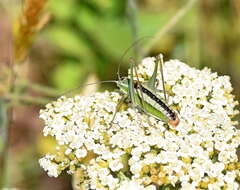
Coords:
143,95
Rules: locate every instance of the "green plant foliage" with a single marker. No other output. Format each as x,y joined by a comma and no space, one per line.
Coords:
67,41
100,30
62,11
68,75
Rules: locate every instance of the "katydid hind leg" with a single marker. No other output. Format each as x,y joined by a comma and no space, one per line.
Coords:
131,85
152,81
139,93
160,58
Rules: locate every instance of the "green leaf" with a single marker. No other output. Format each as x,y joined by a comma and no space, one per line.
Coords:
68,75
112,33
62,11
67,41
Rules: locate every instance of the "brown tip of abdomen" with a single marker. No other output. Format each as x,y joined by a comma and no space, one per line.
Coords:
174,122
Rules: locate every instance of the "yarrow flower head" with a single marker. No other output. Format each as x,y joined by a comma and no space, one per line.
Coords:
138,152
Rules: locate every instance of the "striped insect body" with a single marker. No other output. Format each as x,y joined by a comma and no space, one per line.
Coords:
144,95
156,101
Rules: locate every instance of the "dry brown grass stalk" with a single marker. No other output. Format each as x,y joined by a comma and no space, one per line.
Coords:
27,26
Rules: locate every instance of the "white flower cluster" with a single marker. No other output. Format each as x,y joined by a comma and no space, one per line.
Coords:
138,152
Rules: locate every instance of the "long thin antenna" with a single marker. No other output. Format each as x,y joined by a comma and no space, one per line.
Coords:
127,50
160,57
99,82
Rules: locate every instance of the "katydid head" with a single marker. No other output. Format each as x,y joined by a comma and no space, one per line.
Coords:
123,85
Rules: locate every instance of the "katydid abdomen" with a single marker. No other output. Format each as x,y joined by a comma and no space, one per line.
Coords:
150,102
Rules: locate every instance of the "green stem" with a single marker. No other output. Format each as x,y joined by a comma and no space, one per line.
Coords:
173,21
5,120
132,18
6,110
122,177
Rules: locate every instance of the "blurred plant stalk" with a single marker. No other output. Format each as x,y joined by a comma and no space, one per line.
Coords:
132,12
6,85
14,47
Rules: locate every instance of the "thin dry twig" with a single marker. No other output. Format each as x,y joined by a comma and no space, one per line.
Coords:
173,21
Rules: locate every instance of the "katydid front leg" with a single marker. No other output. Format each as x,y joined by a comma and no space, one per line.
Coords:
123,98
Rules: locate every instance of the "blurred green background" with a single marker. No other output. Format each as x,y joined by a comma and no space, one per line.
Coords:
84,41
